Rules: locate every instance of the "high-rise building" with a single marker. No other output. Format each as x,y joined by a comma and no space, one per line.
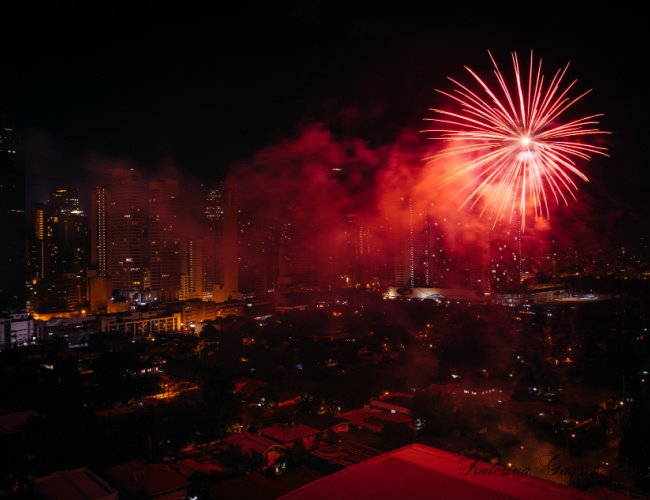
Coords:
405,246
432,261
214,204
99,232
213,212
66,249
476,266
355,259
126,205
278,253
66,235
421,255
506,254
416,238
192,270
58,253
228,288
441,253
12,221
163,239
36,260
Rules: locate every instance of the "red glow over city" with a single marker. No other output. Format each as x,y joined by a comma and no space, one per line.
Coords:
234,266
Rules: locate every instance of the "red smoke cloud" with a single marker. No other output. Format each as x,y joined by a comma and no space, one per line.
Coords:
322,191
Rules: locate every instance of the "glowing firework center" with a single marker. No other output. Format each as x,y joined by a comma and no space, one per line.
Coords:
516,151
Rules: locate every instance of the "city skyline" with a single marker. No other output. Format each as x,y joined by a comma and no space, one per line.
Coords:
59,143
223,245
288,250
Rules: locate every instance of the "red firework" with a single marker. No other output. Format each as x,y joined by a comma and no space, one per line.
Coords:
513,142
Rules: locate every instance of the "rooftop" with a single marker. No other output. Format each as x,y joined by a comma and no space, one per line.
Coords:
374,419
346,454
247,442
321,422
11,423
252,485
422,472
248,385
72,485
115,412
139,478
287,434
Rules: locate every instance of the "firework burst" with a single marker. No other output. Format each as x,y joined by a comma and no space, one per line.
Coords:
513,141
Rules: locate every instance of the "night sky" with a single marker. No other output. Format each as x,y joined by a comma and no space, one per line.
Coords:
203,91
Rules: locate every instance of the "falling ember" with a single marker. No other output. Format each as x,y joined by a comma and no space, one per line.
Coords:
513,141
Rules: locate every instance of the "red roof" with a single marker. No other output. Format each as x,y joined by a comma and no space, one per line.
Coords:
137,478
374,420
248,385
422,472
114,412
189,466
78,484
345,454
248,442
11,423
288,434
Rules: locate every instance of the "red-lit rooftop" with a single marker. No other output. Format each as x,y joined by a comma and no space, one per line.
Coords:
77,484
421,472
287,434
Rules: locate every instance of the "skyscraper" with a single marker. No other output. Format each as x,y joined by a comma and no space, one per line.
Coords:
505,254
356,264
229,286
66,234
58,258
405,251
36,262
192,269
440,251
12,221
163,239
126,224
213,212
99,232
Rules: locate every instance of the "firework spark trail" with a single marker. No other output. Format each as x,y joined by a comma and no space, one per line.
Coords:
520,153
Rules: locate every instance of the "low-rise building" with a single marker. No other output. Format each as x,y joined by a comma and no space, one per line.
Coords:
374,420
14,422
73,484
393,402
16,330
141,323
290,435
138,479
249,444
338,456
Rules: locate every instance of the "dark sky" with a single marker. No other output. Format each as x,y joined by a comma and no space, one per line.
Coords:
203,91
